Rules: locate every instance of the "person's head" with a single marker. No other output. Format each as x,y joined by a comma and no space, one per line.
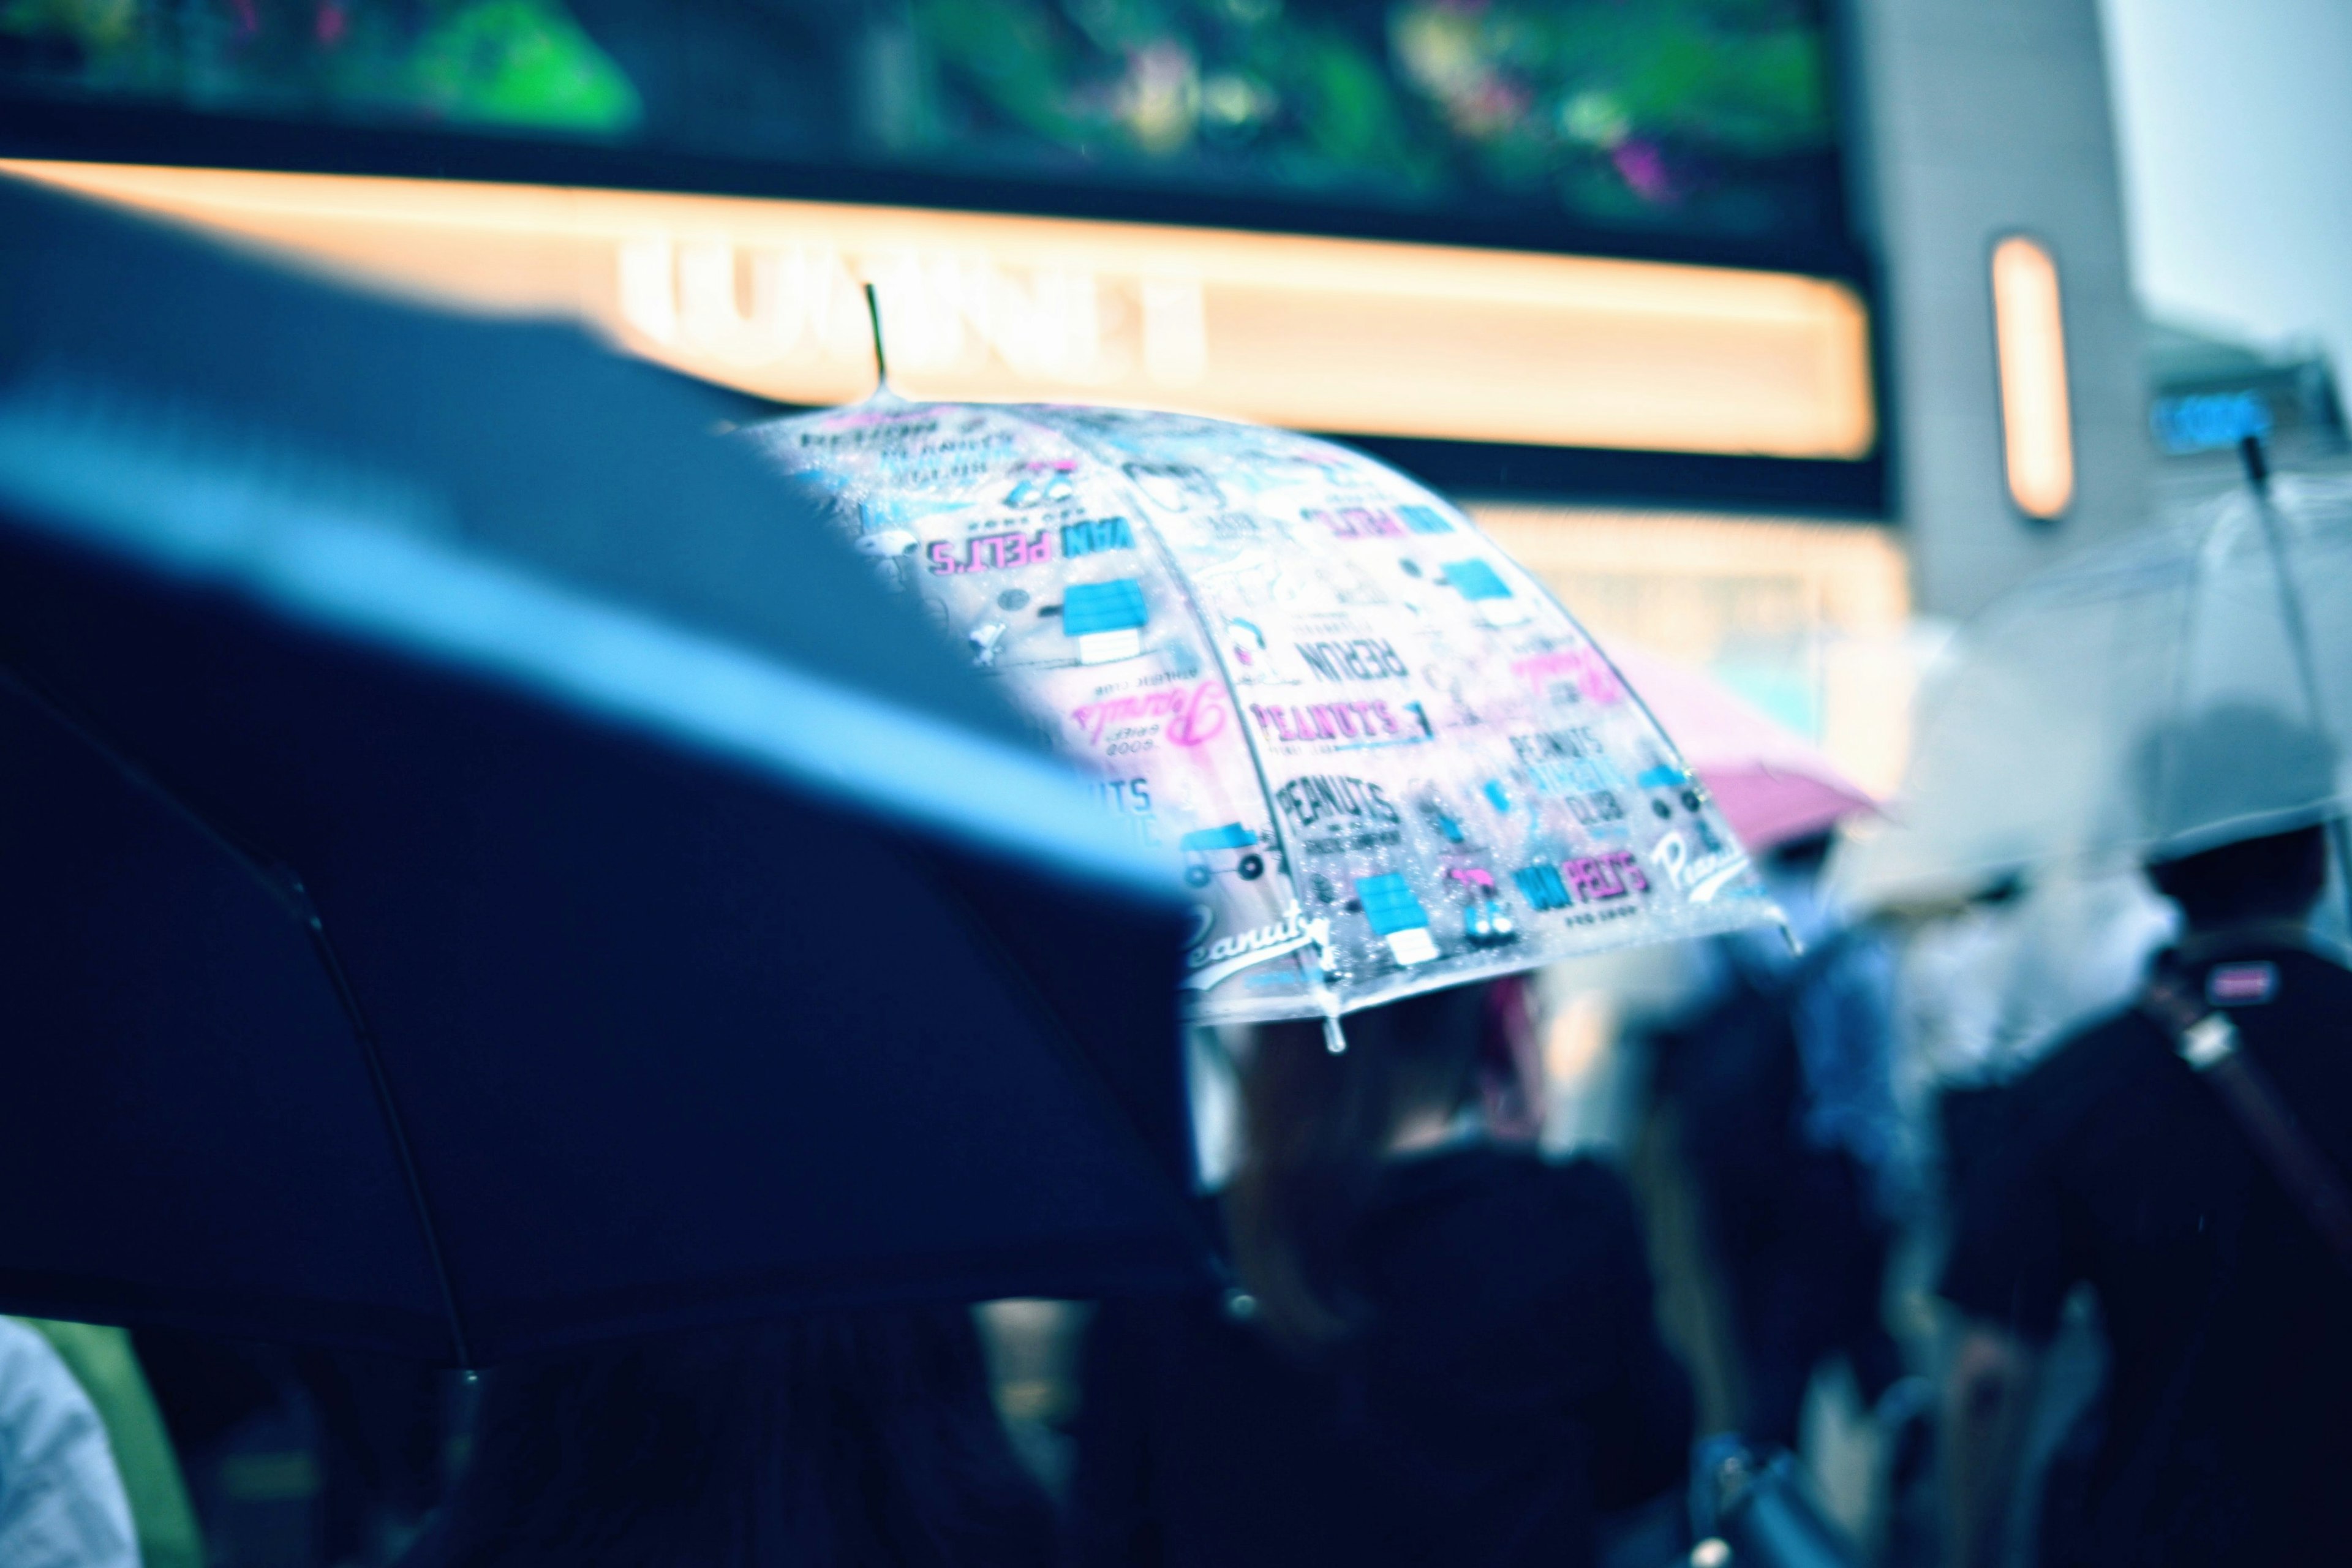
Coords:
825,1441
1315,1127
2277,878
2237,763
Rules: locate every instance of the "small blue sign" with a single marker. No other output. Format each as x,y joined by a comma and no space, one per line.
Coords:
1114,606
1390,905
1231,835
2207,421
1476,580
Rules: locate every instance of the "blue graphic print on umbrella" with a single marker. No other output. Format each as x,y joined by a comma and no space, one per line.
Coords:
1107,618
1397,917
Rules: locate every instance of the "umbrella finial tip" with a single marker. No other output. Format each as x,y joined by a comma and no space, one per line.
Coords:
874,317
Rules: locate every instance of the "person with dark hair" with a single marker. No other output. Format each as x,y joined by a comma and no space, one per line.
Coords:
2129,1160
864,1440
1442,1349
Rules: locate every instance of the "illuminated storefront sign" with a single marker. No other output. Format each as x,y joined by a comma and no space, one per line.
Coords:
1351,336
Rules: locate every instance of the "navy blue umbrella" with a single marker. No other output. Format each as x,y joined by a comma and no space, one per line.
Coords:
481,868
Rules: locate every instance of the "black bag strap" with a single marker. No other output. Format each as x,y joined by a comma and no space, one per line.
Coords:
2207,1042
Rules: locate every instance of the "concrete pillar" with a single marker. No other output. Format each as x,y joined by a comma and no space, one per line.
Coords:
1977,119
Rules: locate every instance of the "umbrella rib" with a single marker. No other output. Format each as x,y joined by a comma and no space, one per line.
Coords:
322,945
254,865
1788,931
1215,643
285,888
2201,561
2298,631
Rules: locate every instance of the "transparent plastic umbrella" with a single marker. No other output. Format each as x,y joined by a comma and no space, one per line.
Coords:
2180,688
1387,758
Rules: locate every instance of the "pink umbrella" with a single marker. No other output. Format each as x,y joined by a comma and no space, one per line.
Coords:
1773,785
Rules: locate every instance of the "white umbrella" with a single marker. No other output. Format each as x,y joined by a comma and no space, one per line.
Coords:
2185,687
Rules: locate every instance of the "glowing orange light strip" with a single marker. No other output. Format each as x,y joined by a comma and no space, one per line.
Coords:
1356,336
2030,334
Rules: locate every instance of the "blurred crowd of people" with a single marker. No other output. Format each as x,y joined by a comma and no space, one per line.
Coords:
1441,1341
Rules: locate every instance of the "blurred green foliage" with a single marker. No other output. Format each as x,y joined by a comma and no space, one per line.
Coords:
1701,113
1597,104
521,63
